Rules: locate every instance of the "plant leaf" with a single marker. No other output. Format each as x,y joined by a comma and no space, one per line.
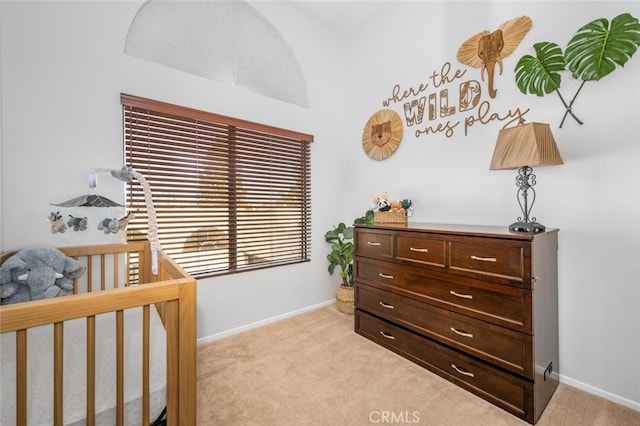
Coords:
347,233
369,217
332,267
348,251
540,75
349,275
330,236
597,49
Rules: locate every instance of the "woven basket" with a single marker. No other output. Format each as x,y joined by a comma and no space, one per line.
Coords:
391,216
344,300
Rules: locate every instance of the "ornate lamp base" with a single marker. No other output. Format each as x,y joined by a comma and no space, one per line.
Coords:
525,182
527,227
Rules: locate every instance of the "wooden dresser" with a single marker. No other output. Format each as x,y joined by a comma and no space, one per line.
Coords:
476,305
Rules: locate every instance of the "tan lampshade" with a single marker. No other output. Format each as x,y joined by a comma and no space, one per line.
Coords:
530,144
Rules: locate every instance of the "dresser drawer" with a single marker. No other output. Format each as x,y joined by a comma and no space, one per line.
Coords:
501,346
374,244
375,272
497,261
420,250
502,305
501,388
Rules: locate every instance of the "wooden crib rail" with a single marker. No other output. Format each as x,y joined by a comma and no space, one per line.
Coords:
50,311
173,292
76,251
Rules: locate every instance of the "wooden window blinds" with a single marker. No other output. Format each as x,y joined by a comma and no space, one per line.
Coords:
230,195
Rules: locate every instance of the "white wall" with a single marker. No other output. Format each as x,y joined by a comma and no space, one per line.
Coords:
592,198
63,66
63,69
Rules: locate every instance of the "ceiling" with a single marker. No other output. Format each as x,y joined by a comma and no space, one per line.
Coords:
341,16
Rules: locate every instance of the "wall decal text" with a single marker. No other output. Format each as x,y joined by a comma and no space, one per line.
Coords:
445,103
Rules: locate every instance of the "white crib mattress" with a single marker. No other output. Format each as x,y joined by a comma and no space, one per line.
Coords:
40,371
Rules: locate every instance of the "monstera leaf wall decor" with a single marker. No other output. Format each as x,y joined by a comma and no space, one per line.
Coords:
593,53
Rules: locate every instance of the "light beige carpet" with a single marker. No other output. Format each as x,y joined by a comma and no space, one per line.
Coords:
312,369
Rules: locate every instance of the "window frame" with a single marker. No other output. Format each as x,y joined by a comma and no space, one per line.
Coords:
293,174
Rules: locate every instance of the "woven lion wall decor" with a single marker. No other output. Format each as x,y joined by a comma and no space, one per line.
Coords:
382,134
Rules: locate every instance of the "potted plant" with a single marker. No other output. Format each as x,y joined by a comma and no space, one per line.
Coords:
341,256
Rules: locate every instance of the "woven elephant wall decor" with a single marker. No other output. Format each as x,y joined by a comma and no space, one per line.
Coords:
486,49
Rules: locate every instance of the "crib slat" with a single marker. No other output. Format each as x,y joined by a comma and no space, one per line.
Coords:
145,365
58,373
75,280
127,263
102,272
144,267
91,370
120,368
116,277
21,377
89,273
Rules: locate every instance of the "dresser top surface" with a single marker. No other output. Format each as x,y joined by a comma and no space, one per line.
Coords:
458,229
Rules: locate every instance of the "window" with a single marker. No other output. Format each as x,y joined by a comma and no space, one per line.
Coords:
230,195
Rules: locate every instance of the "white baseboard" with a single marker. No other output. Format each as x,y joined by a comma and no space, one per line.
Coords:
257,324
634,405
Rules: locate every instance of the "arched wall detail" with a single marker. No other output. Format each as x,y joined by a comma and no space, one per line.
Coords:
226,41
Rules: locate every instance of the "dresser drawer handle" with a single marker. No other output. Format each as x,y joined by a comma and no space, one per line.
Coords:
421,250
484,259
462,333
463,296
387,336
385,305
462,371
369,243
388,277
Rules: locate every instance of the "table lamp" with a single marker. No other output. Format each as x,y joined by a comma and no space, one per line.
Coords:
522,147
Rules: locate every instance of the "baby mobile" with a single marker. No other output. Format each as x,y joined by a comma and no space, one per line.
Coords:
108,225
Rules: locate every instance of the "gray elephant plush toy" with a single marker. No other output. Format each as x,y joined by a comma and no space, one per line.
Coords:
38,273
109,226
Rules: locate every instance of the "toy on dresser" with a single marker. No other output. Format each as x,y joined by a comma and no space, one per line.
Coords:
394,211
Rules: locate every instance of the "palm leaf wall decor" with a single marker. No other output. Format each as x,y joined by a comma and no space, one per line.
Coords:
594,52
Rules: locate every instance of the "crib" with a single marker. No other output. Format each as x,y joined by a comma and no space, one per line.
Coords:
118,283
